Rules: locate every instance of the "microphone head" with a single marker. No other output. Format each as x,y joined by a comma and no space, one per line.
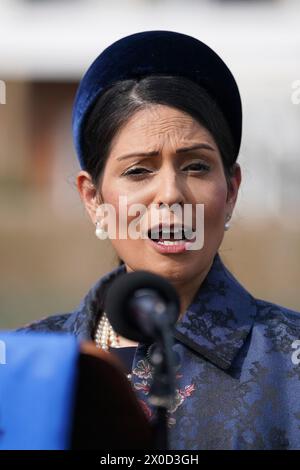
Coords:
118,302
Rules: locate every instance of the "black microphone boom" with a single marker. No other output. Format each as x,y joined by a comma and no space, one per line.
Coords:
144,307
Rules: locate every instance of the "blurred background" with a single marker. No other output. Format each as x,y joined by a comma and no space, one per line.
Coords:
50,256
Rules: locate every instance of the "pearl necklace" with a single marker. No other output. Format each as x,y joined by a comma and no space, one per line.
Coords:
106,337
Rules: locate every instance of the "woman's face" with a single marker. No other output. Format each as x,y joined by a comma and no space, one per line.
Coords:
165,177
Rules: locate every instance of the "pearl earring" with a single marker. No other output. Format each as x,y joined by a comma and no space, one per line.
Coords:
227,223
100,232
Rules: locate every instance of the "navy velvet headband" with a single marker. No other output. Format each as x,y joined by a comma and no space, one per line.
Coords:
159,52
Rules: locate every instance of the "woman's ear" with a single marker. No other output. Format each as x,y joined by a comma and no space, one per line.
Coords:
233,186
88,194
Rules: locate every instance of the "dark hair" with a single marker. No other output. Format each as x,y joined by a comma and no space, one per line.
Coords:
121,100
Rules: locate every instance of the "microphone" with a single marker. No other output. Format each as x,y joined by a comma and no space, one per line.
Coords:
142,306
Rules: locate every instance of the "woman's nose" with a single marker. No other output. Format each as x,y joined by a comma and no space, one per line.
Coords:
169,189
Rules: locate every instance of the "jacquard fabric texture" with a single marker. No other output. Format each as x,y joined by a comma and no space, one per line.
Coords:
237,385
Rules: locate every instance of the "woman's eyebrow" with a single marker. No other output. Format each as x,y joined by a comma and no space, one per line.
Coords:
154,153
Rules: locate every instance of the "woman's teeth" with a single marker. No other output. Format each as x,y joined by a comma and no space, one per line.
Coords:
166,235
167,238
168,242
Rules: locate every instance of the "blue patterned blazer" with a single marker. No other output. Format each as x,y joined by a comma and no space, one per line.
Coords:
238,376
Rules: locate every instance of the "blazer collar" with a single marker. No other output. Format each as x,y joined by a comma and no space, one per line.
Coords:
215,325
220,317
83,320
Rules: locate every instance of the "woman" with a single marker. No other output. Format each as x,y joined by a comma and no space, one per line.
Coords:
157,119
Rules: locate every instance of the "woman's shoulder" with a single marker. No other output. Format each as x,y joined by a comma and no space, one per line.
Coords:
269,312
49,323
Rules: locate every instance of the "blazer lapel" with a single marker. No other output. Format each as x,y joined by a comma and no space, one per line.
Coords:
220,317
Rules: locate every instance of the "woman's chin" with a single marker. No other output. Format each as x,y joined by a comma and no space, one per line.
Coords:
176,267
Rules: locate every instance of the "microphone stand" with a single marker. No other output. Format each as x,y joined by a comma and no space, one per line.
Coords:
162,390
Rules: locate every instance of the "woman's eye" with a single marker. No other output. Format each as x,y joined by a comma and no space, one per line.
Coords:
140,172
197,167
136,171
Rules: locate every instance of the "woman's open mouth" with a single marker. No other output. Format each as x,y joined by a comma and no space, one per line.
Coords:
171,239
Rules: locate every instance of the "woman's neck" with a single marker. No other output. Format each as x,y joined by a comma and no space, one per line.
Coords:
187,290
